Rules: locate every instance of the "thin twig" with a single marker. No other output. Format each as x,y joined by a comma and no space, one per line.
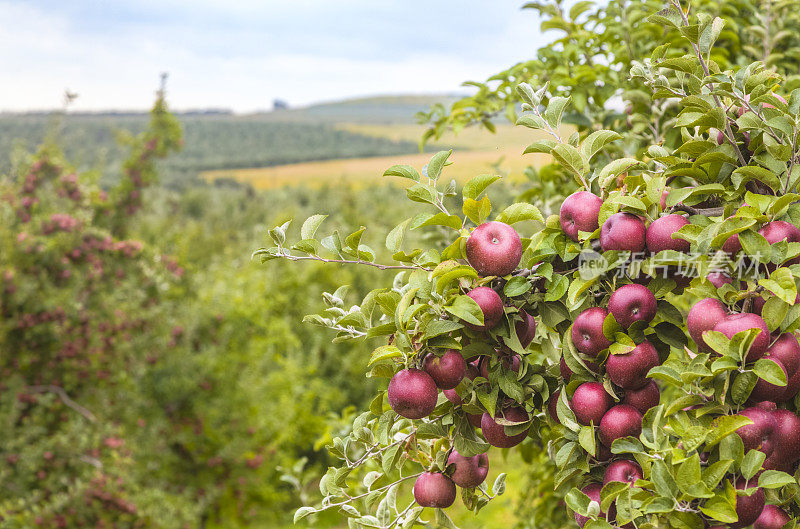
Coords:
64,398
351,261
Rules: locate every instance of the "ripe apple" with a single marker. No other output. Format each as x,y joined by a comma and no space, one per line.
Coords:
590,402
719,278
787,441
552,405
780,230
412,393
587,331
631,303
629,370
580,212
748,508
704,316
761,434
593,491
446,370
620,421
470,471
624,232
566,372
491,305
772,517
434,489
495,434
732,245
494,249
643,399
623,470
662,200
734,323
525,329
787,350
659,234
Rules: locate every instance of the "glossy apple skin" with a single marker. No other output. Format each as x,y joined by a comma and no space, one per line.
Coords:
772,517
780,230
734,323
470,471
434,489
631,303
525,329
766,391
761,434
587,331
787,441
495,433
580,212
412,393
491,305
732,245
446,370
623,470
566,372
629,370
748,508
624,232
620,421
659,234
494,249
719,278
590,402
552,406
643,399
704,316
787,350
593,491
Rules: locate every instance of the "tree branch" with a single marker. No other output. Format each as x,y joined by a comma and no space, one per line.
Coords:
64,398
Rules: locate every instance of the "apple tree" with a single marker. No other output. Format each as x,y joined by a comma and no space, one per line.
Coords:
637,344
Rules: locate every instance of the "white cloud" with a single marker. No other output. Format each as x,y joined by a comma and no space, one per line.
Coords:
243,54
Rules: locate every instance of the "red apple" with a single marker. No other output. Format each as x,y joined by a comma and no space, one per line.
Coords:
787,350
704,316
446,370
469,471
620,421
590,402
552,406
761,434
629,370
494,249
495,434
631,303
786,450
525,329
719,278
593,491
659,234
623,470
735,323
643,399
587,331
580,212
780,230
624,232
566,372
766,391
412,393
748,508
491,305
772,517
434,489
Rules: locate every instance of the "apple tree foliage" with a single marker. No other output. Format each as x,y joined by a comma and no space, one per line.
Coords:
712,138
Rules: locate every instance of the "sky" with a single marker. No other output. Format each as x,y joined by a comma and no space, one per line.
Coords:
242,54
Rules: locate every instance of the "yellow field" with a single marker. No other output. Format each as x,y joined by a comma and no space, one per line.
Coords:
476,152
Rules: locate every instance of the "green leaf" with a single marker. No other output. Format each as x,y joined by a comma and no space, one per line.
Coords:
478,185
751,463
403,171
596,141
555,109
571,159
520,211
384,352
438,161
477,210
439,219
499,486
467,309
302,512
723,426
774,479
587,440
770,371
394,240
309,228
516,286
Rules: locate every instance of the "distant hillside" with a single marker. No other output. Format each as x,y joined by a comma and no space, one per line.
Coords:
215,139
399,109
